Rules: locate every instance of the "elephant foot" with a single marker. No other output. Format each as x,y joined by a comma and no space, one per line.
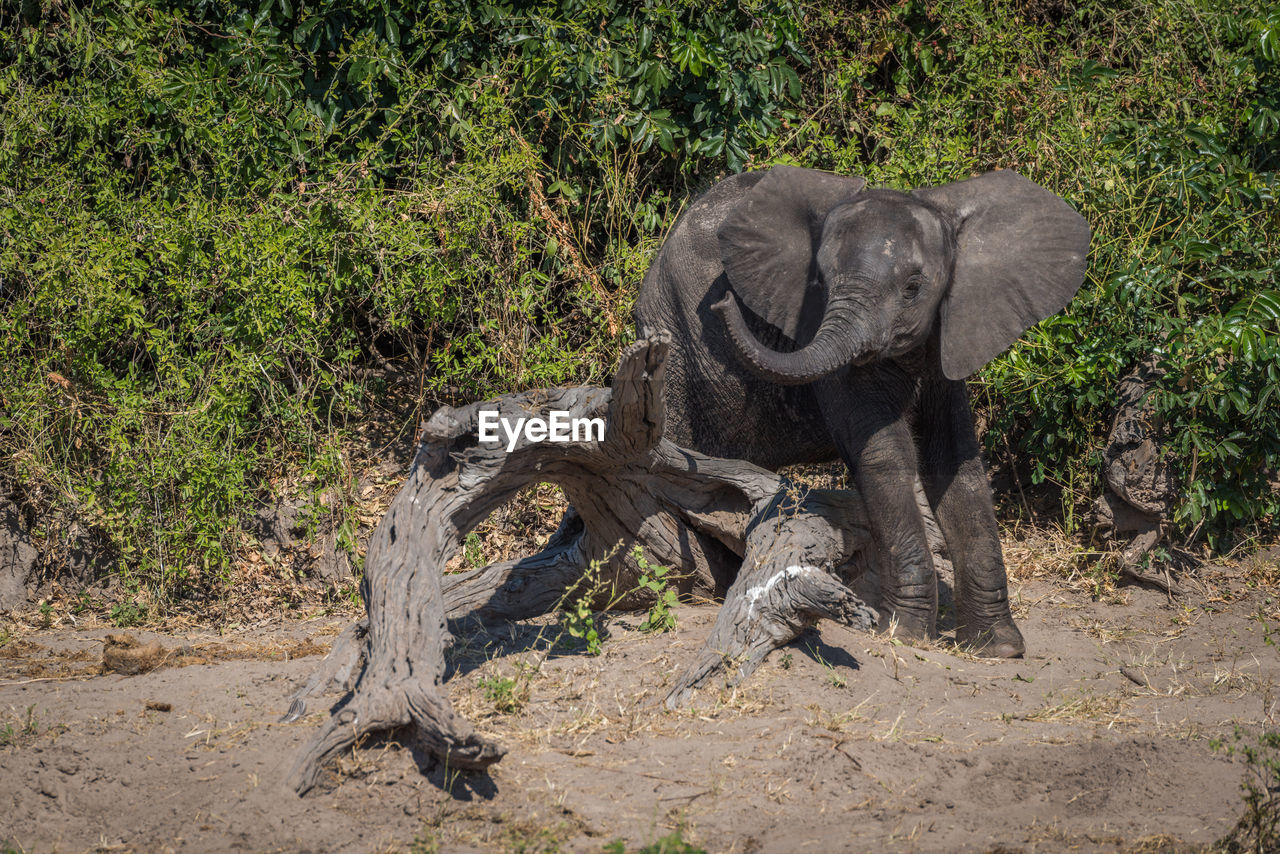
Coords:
909,626
999,640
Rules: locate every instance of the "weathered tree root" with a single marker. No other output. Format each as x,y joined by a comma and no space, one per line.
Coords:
335,671
798,544
685,510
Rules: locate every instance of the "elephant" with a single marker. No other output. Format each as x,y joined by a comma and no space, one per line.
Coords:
814,319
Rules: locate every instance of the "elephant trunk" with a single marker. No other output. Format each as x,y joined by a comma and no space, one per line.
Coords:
839,341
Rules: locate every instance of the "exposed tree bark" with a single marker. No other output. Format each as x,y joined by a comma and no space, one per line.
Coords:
698,514
799,544
1141,492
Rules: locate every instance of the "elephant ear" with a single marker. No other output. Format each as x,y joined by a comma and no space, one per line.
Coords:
1020,257
768,242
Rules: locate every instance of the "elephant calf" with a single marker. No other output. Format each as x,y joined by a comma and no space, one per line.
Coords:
812,317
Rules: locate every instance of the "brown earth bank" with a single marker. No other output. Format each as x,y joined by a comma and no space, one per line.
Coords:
1099,740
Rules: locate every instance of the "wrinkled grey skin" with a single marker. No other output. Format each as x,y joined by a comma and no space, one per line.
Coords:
813,318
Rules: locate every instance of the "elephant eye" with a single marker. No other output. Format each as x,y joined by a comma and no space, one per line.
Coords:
912,288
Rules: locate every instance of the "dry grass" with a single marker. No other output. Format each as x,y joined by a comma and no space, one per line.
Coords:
1083,707
1105,631
1262,568
841,722
520,527
819,475
22,659
1048,552
743,700
1232,680
1061,839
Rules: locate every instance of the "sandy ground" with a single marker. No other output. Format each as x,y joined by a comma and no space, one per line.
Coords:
842,742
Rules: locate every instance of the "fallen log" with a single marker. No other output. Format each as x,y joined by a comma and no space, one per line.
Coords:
797,546
628,488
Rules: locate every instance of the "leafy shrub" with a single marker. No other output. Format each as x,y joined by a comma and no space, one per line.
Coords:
229,230
219,216
1183,268
654,580
1259,827
1096,104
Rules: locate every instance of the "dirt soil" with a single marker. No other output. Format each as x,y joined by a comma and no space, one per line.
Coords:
1098,740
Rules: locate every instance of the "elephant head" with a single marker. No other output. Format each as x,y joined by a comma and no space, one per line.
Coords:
867,274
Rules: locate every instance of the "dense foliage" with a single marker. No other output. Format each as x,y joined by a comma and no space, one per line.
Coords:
228,228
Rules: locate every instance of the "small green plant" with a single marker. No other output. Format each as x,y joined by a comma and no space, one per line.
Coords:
30,726
471,550
786,661
351,593
522,838
1103,576
661,617
506,694
1153,560
424,843
46,614
84,602
1269,632
577,611
126,614
1259,828
833,676
580,624
672,843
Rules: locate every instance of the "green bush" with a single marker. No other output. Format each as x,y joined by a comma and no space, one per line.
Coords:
1258,828
219,215
229,228
1159,122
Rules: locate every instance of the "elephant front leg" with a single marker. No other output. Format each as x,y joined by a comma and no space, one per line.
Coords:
876,443
909,582
956,484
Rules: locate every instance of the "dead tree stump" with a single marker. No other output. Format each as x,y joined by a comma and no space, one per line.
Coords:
799,544
1141,490
698,514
